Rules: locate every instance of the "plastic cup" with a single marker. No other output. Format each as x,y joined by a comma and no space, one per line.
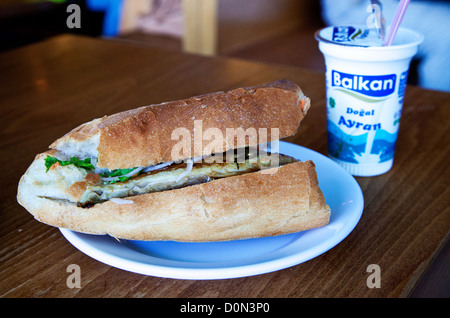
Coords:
365,85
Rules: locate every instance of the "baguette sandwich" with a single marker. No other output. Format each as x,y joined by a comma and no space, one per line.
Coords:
161,172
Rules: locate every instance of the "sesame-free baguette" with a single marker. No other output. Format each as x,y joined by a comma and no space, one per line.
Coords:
143,136
269,202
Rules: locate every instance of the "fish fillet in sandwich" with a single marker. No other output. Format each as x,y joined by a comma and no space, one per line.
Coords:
150,174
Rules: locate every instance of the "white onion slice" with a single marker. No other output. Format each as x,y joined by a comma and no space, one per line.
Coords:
110,178
159,166
189,165
198,159
121,201
137,170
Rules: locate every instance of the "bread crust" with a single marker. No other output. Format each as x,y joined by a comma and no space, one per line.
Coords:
143,136
247,206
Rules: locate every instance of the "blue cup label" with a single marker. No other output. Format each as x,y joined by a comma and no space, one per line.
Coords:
369,85
363,115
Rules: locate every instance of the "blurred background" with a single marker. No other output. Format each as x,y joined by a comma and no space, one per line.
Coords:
273,31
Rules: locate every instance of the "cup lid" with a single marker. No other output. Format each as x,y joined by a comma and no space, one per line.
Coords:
364,37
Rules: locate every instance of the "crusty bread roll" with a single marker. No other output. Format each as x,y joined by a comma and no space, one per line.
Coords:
142,136
274,201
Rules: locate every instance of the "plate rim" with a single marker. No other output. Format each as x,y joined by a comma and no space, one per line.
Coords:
205,273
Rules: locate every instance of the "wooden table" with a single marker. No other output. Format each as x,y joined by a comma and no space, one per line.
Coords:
50,87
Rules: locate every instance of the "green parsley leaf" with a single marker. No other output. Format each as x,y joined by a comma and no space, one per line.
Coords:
50,161
119,175
85,164
120,172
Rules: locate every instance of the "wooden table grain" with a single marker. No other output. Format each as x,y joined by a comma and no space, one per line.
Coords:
50,87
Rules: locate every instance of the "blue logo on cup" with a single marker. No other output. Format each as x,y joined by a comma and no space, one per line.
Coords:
348,34
369,85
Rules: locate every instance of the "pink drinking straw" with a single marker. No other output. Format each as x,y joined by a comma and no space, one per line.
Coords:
399,14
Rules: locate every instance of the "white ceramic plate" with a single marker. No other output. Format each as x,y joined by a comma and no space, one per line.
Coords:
221,260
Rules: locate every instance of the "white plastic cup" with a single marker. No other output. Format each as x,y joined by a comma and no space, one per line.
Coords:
365,86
